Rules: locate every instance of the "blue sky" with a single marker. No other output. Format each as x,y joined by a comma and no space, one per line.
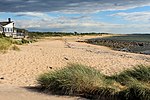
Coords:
113,16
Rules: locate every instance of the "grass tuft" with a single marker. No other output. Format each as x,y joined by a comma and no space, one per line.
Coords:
140,72
86,81
4,44
136,91
16,48
7,43
77,79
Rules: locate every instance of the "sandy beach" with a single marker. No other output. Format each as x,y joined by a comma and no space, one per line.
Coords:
21,68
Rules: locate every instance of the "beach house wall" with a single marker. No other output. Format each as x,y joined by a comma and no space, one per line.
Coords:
1,29
8,29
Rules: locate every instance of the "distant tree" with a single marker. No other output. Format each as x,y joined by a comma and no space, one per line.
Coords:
75,33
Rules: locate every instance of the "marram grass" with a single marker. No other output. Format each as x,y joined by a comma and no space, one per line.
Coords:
76,79
7,43
4,44
140,73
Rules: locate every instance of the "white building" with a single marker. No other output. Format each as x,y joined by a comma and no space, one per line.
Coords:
8,29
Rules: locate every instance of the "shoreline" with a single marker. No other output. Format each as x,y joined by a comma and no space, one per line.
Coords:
122,45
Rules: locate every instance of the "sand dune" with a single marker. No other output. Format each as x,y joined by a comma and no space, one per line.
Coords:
21,68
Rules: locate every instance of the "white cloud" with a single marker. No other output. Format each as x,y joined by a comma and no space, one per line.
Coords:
135,16
69,6
69,24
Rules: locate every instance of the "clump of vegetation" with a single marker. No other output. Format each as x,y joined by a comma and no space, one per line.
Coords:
37,35
138,82
23,41
88,82
16,48
5,43
140,73
9,43
136,91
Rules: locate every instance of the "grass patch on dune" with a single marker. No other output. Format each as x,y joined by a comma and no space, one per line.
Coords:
137,81
88,82
15,47
136,91
77,79
140,73
7,43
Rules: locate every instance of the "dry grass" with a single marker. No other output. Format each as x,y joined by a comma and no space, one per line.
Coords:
16,48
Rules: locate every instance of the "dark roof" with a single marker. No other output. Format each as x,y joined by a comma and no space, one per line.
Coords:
4,23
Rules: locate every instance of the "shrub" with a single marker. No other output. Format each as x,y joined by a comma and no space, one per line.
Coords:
18,42
24,41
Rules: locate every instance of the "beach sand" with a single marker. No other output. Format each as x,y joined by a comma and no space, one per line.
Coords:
22,68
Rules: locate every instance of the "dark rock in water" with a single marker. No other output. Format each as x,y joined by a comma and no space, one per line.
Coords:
141,44
145,52
124,49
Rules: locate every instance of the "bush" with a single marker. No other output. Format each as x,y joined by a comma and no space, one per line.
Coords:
24,41
18,42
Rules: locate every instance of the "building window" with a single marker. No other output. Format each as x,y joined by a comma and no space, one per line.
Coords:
5,29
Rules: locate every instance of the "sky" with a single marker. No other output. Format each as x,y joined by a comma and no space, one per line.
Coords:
110,16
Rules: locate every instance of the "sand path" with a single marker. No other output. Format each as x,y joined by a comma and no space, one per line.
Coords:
18,93
21,68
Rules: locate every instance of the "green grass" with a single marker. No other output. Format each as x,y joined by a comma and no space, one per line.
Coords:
5,43
88,82
79,80
38,35
141,73
137,81
11,44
